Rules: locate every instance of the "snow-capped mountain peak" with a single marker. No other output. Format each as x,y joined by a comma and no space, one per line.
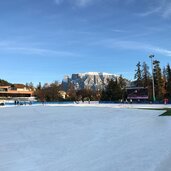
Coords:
90,80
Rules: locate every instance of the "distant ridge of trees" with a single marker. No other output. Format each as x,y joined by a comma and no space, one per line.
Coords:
115,90
48,92
143,78
4,83
162,79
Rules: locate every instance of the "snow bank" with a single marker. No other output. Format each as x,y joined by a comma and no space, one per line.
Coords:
68,138
120,106
96,104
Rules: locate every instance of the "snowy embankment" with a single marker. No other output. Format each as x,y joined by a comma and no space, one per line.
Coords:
60,138
117,105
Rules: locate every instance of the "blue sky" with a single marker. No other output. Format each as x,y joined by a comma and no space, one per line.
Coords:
43,40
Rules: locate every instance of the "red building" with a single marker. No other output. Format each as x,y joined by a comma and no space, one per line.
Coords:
137,93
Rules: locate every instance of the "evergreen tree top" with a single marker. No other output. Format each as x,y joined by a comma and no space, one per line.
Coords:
4,83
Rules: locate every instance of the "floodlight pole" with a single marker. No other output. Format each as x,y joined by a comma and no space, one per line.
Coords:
154,96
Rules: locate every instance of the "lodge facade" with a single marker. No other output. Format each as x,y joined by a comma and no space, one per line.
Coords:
15,90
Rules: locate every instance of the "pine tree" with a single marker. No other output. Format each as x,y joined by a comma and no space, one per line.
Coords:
30,85
4,83
122,85
146,79
158,81
122,82
113,91
39,86
104,96
164,90
145,75
168,82
138,75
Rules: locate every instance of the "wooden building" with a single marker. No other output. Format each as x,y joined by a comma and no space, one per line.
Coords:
15,90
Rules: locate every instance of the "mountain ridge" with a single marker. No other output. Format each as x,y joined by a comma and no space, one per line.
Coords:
90,80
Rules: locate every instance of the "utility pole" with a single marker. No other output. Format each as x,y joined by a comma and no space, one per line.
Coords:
154,96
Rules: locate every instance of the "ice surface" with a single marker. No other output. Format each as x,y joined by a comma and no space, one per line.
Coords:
68,138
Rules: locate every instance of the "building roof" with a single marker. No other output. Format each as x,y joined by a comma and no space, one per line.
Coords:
19,85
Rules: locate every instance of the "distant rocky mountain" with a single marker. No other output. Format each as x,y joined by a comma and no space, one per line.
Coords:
90,80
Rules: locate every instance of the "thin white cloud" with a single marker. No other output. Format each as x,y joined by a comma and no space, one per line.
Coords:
141,46
167,11
119,30
150,12
82,3
161,8
162,51
38,51
130,1
133,45
58,1
78,3
12,47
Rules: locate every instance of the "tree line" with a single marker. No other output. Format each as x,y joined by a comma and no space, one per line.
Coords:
115,90
53,92
162,79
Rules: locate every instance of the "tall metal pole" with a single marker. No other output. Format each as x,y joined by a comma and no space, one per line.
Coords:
154,96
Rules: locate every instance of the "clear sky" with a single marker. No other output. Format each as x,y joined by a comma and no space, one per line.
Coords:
43,40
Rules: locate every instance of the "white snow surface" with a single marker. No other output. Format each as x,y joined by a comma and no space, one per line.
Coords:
87,138
95,73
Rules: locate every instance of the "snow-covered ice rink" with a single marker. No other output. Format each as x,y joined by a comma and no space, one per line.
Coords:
84,138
